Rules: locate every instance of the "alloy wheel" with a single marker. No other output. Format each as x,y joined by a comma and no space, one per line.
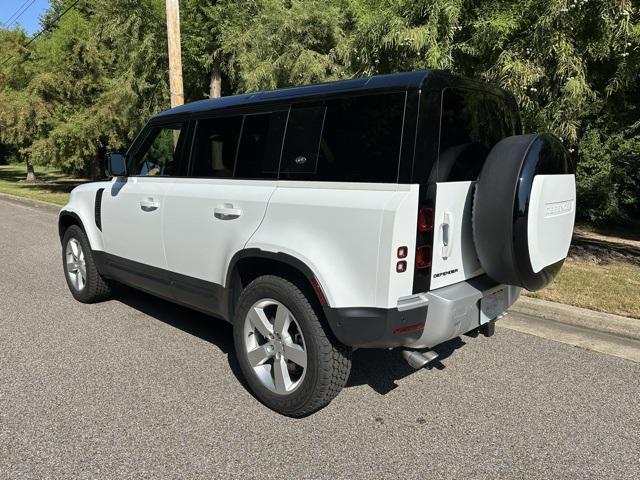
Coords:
76,265
275,346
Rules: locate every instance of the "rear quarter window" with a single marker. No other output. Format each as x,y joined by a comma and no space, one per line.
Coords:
355,139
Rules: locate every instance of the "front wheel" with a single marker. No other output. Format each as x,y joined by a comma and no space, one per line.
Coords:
292,363
84,280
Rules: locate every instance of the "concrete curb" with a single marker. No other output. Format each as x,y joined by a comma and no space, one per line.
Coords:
578,317
29,202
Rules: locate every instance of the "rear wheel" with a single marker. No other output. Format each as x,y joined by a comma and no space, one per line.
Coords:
84,280
292,363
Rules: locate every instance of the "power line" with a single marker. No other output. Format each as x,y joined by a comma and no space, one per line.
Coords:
47,27
14,13
21,13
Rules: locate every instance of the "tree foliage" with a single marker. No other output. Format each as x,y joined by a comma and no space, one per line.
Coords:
97,74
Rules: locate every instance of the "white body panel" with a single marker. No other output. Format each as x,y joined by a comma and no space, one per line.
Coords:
81,202
454,253
551,217
132,219
200,238
347,234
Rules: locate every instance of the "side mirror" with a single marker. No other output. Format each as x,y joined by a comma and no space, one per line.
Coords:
116,164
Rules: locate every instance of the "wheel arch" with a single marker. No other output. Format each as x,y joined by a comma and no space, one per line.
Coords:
248,264
67,218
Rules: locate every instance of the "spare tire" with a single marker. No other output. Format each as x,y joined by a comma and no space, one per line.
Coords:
524,210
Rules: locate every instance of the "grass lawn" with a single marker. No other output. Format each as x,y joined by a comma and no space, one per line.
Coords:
53,186
607,287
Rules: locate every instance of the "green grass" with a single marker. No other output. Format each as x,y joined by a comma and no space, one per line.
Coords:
607,287
55,189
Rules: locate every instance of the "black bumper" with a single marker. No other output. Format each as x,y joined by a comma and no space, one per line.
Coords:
376,327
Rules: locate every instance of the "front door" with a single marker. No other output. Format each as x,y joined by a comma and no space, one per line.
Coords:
132,209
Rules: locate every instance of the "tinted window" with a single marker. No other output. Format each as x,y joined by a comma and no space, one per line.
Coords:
472,122
359,141
215,146
159,154
300,150
260,145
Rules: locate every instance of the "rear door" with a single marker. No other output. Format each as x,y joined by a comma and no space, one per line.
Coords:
472,122
212,213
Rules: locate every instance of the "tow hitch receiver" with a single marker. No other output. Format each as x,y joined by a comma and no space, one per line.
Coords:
417,359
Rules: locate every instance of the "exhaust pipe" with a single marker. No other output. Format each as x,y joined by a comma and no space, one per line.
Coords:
417,359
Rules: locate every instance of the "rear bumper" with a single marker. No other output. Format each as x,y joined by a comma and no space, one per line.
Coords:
420,321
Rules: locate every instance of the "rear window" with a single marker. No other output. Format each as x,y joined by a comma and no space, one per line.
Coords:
471,122
355,139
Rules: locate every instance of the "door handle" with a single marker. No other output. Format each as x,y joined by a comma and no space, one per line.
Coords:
227,212
149,205
447,235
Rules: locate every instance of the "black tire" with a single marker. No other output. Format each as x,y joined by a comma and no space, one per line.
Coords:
328,361
95,288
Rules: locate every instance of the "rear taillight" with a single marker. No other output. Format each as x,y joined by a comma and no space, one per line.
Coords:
425,219
425,229
423,257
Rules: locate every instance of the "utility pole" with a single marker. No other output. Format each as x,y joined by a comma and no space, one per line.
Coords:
175,53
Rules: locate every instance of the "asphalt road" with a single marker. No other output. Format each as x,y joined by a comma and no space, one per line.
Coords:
138,388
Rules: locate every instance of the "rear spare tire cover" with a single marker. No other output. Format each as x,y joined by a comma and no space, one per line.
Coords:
524,210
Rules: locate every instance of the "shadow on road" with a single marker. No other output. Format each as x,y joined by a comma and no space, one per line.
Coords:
380,369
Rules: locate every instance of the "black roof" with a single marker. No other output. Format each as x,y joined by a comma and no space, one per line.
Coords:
404,81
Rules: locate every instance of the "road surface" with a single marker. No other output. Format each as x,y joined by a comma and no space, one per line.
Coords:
138,388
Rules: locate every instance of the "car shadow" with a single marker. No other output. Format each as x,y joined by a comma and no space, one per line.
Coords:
379,369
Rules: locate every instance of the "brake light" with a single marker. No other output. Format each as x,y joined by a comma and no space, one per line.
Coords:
423,257
401,266
425,219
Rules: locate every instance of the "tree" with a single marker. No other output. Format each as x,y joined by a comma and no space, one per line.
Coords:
92,81
263,44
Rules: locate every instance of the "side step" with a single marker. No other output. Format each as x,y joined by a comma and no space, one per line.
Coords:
417,359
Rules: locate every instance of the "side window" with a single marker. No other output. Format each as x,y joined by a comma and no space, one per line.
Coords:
355,139
160,153
361,139
215,146
472,122
301,143
260,145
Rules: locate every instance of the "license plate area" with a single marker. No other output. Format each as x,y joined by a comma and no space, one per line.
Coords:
493,305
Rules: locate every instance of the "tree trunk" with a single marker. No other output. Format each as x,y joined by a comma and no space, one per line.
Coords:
31,174
215,86
96,168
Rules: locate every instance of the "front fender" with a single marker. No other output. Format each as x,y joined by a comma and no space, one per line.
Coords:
82,209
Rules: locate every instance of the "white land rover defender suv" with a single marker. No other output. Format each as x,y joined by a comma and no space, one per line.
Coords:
397,211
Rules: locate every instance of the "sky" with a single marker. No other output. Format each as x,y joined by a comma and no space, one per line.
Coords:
27,12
